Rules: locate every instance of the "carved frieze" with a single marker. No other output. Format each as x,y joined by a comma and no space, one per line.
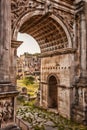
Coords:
6,110
47,27
21,7
85,96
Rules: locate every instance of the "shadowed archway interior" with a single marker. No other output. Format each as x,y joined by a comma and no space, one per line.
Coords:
47,32
52,92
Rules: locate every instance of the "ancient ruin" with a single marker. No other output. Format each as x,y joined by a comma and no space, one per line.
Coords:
60,28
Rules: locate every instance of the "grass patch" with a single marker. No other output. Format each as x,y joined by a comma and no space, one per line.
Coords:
32,89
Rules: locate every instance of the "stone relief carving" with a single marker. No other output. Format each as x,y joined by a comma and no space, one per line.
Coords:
20,7
85,96
67,18
6,110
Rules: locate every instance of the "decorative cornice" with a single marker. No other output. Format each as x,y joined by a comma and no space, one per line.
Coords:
16,44
43,82
79,7
63,7
58,52
65,87
8,94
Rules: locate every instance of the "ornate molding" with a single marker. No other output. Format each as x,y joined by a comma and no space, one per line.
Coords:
16,44
21,7
58,52
80,7
68,19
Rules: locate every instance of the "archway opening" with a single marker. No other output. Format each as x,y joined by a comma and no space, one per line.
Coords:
29,45
28,61
28,65
52,92
53,39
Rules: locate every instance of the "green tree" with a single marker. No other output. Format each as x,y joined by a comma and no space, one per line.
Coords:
28,80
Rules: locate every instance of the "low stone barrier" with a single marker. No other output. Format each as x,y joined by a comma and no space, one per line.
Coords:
11,127
23,125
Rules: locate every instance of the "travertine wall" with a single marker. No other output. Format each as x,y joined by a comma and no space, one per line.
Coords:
62,67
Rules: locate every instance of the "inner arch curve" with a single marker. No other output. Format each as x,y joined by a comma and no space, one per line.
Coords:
49,31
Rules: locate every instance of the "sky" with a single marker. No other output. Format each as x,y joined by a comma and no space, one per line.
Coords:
29,44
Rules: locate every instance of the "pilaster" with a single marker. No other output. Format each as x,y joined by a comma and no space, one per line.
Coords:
7,90
83,45
79,108
5,37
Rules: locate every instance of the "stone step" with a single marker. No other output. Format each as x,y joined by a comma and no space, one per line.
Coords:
11,127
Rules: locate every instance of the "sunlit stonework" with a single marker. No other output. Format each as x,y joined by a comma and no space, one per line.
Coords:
60,28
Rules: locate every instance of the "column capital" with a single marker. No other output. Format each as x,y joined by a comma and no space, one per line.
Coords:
15,44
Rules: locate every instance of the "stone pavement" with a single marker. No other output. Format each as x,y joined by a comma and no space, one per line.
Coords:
39,119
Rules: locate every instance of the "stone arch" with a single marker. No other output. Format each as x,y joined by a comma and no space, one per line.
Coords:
68,34
53,74
53,91
21,20
25,17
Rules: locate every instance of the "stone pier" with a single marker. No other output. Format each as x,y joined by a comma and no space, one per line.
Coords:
79,111
7,89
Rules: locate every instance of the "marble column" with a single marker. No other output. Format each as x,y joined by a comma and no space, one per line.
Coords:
5,40
83,45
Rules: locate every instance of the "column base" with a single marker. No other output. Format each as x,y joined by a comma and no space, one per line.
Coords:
79,107
82,82
79,114
7,104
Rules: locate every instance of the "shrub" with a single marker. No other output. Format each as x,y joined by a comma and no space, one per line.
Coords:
28,80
